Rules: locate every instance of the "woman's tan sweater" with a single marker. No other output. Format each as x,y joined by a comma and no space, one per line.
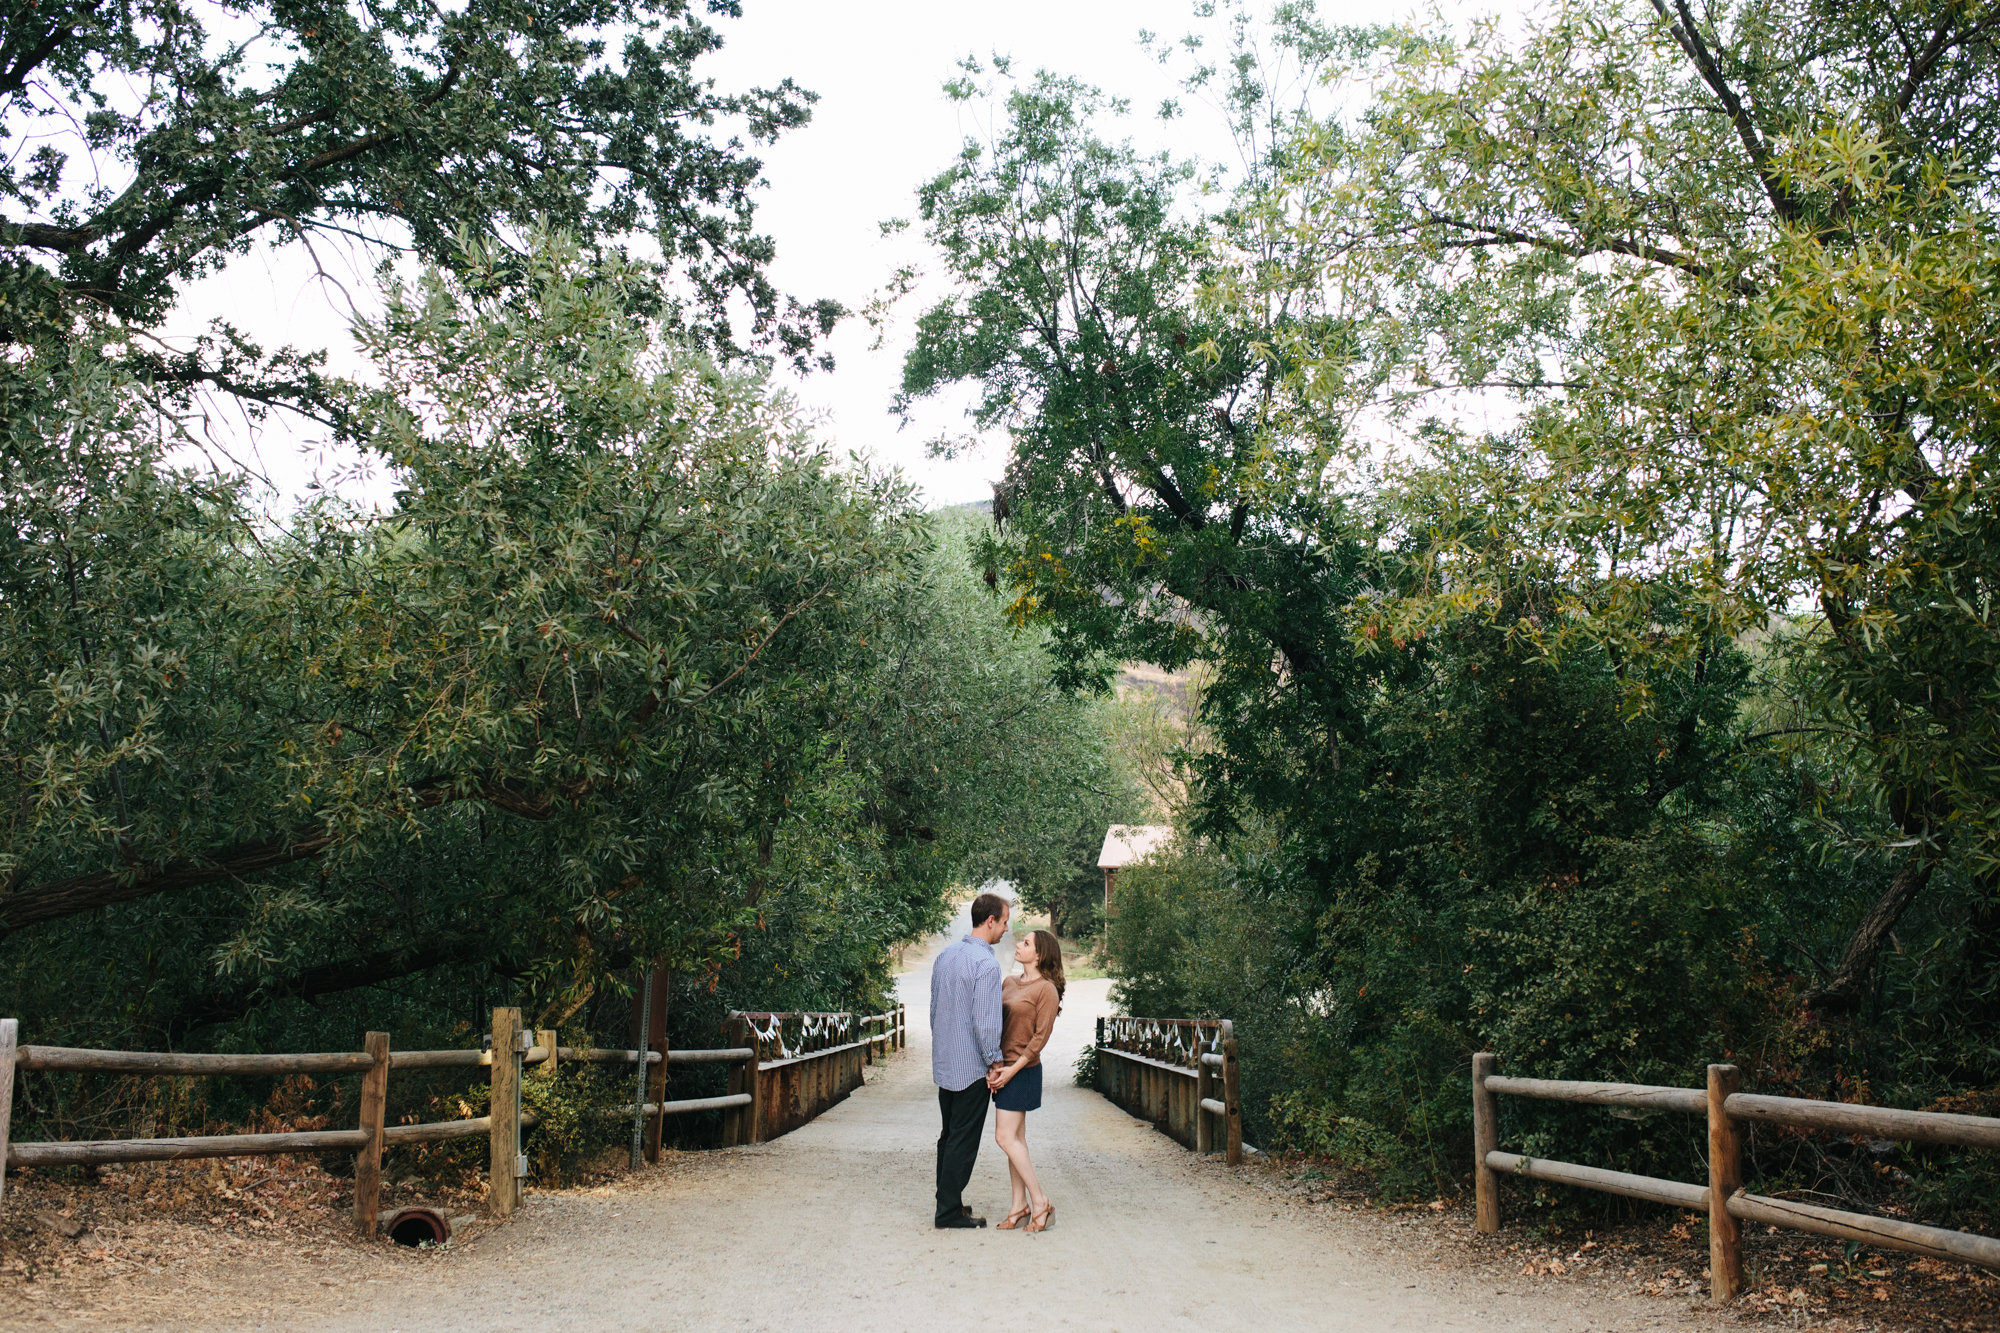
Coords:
1028,1010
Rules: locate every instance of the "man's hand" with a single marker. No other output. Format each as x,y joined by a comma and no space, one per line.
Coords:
993,1080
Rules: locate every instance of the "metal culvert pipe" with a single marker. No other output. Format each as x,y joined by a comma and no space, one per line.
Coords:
416,1226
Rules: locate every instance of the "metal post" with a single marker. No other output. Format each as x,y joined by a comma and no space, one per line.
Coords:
639,1081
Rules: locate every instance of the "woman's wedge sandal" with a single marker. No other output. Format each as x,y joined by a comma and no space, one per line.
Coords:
1015,1220
1040,1221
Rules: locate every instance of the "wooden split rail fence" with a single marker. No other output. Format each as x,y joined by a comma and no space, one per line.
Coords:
1179,1073
809,1082
1723,1198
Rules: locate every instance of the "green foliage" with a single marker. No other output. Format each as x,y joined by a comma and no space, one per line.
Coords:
1724,266
632,670
575,1121
1520,876
1084,1073
1563,462
598,595
1186,944
168,138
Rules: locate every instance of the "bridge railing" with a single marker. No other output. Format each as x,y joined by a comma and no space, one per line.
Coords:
523,1054
1723,1198
800,1065
1179,1073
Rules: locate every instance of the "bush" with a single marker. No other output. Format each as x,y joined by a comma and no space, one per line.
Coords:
1085,1072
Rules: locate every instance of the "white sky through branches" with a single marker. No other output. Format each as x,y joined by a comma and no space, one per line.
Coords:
882,126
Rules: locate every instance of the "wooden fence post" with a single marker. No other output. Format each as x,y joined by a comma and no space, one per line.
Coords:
753,1083
1725,1178
656,1093
546,1039
1204,1090
1232,1094
10,1033
1485,1139
733,1035
744,1123
503,1133
368,1165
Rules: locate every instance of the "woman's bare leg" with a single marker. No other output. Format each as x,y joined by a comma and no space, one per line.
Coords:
1010,1131
1004,1123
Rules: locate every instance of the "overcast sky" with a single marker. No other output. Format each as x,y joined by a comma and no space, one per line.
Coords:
882,125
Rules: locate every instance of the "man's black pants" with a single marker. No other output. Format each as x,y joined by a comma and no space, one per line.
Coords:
964,1116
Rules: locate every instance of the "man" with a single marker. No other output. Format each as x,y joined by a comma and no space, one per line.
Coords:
965,1051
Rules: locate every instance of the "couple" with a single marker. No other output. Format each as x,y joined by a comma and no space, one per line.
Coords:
986,1041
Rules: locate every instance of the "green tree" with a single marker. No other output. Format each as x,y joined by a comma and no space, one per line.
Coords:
607,573
631,671
1727,265
1147,513
1482,715
158,139
1027,777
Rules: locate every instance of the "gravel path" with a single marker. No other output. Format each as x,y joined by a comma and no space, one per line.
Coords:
828,1228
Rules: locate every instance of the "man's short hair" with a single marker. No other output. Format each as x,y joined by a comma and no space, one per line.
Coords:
987,906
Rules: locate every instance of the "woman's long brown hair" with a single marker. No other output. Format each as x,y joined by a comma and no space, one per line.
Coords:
1048,960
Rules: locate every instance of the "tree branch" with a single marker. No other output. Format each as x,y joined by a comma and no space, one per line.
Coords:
1944,39
56,899
1491,235
17,67
1681,23
1857,965
370,969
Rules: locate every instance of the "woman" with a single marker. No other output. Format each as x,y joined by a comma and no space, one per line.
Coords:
1029,1004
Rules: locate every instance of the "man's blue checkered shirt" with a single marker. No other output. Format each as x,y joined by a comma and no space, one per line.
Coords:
965,1014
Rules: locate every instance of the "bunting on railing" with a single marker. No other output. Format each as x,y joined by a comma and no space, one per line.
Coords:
1174,1041
787,1036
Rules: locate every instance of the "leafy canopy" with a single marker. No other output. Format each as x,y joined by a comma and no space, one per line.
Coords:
157,139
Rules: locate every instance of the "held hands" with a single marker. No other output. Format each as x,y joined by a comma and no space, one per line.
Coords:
997,1076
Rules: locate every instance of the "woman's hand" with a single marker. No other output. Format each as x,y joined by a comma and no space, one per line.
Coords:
999,1080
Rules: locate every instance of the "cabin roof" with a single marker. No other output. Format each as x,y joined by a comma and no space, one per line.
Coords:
1125,844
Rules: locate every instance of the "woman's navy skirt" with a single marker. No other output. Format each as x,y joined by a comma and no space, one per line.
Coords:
1023,1091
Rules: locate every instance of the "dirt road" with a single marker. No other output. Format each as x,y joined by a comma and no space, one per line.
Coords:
829,1228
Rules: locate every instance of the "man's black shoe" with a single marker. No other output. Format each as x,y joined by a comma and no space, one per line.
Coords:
963,1222
965,1210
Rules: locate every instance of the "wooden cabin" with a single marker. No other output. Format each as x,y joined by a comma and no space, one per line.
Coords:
1124,845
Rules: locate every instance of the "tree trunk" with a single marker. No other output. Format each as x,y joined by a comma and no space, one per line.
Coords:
1857,966
326,979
